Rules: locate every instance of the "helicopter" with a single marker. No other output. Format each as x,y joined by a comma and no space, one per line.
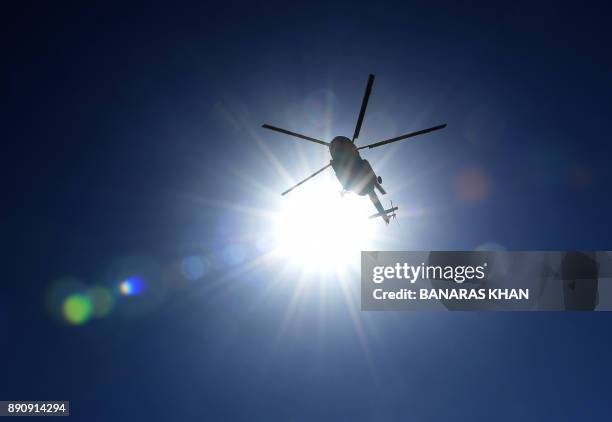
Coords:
354,173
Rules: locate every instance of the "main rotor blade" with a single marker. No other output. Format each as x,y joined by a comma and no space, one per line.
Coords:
364,104
308,178
297,135
408,135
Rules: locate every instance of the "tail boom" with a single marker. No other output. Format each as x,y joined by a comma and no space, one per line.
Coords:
382,212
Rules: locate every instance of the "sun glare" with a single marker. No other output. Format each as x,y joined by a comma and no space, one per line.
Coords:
318,229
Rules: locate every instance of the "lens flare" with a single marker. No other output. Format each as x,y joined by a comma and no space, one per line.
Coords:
234,255
472,185
131,286
101,301
77,309
194,267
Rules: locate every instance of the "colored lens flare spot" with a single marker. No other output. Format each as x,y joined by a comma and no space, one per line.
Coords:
101,300
194,267
77,309
131,286
472,185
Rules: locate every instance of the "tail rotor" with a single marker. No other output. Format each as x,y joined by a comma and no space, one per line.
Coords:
393,215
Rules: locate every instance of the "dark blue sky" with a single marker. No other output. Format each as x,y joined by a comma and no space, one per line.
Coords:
134,131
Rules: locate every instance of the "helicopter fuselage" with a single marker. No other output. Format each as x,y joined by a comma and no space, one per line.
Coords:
353,172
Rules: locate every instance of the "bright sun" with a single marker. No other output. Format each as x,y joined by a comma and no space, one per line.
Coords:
318,229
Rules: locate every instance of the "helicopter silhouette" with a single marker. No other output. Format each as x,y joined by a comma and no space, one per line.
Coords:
354,173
